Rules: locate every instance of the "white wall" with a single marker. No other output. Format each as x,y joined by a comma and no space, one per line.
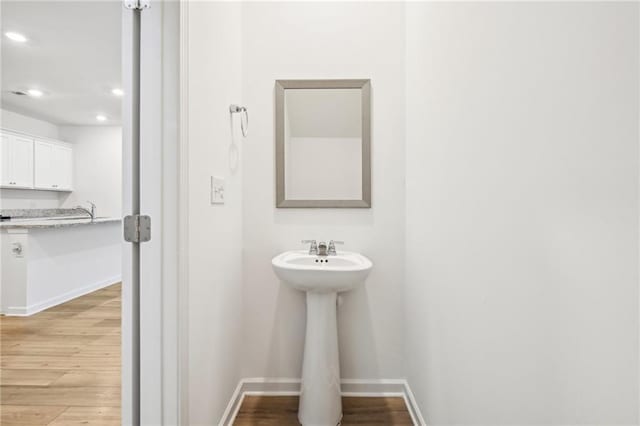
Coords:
22,123
215,231
97,164
288,40
522,212
29,199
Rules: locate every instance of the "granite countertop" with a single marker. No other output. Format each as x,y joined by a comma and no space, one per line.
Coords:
55,222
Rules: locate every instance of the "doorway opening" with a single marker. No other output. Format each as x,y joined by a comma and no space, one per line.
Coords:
61,204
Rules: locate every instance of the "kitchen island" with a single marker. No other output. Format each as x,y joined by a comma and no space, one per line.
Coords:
50,260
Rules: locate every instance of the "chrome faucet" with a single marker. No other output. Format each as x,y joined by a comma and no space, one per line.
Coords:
322,248
91,213
313,248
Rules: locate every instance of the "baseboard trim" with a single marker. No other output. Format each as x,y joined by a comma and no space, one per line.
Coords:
350,387
412,405
25,311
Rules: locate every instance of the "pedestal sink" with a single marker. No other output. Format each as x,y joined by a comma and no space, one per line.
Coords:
321,277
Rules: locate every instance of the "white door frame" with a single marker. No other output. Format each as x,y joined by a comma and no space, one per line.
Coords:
130,205
150,373
183,220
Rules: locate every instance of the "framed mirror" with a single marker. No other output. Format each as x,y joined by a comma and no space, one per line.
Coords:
323,143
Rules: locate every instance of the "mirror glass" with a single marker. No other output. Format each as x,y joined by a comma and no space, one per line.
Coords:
323,143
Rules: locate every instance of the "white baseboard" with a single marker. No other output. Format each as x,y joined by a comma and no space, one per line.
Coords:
350,387
412,405
24,311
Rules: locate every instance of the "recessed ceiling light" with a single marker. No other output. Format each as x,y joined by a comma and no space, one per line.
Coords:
101,117
117,92
15,37
34,93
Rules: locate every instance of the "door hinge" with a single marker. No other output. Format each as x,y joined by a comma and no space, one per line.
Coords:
137,4
137,228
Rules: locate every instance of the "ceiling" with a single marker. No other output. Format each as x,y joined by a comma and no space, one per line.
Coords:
72,55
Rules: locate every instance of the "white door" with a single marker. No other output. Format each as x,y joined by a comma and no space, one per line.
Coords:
150,394
22,159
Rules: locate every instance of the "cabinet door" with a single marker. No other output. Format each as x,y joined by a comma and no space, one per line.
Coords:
5,160
16,161
53,166
63,167
44,165
22,159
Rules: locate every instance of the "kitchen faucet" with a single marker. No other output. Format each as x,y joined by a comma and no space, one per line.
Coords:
91,213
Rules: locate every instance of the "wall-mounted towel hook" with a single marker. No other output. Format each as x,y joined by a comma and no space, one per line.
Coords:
244,117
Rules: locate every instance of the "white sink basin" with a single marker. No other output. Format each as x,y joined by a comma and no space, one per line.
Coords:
321,277
321,274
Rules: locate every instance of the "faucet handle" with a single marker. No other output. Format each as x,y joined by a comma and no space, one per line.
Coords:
313,248
332,246
92,205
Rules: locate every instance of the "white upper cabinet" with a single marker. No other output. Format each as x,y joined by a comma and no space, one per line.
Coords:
53,166
29,163
16,161
5,161
44,166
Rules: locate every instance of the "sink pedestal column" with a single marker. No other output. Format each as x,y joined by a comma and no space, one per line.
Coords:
320,400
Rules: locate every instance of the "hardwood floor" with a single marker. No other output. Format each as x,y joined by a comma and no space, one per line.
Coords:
283,411
62,366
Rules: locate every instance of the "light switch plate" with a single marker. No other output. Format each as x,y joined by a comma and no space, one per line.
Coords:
217,190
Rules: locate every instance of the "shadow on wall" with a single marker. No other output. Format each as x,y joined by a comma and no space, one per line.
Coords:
234,151
356,340
289,319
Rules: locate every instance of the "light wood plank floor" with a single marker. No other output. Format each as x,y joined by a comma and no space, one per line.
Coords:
283,411
62,366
